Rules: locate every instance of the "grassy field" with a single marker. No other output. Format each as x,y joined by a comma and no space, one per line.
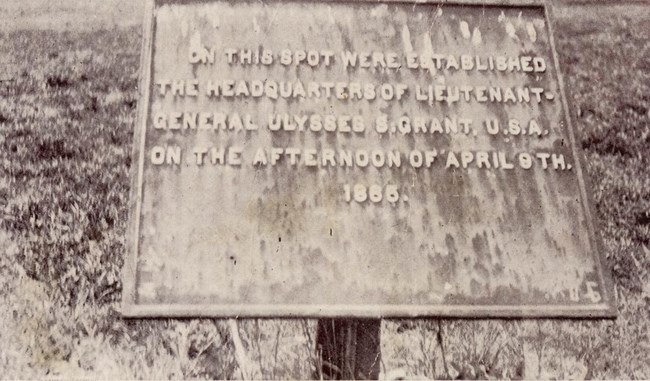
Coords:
66,122
62,15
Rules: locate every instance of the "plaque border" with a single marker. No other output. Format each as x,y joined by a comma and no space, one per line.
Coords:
130,309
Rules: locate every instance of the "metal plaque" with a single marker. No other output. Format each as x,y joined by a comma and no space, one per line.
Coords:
360,158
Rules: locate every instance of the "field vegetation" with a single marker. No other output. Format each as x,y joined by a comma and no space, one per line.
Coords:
67,105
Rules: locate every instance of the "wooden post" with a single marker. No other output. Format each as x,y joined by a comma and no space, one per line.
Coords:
349,349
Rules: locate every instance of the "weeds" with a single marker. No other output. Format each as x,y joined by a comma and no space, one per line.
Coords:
66,121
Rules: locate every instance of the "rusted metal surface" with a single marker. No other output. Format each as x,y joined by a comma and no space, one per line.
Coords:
291,240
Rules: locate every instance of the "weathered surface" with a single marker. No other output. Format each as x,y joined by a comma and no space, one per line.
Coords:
296,239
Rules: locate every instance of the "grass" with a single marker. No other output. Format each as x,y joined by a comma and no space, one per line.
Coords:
62,15
66,123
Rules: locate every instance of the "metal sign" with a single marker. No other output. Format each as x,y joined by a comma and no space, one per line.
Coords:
365,159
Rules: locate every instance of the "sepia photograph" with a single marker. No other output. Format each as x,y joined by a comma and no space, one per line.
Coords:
325,189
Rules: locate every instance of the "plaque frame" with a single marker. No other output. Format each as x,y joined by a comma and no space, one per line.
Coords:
130,309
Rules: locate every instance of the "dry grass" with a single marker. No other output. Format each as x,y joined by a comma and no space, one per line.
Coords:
65,133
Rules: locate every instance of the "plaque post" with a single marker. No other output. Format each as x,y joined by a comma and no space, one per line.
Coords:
349,348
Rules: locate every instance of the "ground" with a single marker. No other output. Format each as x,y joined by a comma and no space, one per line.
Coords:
67,107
